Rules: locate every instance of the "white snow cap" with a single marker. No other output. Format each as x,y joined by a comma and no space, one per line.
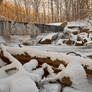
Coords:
30,65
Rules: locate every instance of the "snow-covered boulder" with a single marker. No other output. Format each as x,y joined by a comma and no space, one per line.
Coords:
39,38
54,24
60,42
30,65
68,89
89,43
55,87
75,32
68,42
48,39
79,43
86,30
64,24
23,84
28,42
76,73
82,35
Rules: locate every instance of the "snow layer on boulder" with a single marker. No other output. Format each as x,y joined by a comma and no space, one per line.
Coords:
60,42
39,71
68,89
61,66
19,82
55,24
49,36
4,87
23,84
49,68
30,65
86,23
51,87
76,73
77,23
89,43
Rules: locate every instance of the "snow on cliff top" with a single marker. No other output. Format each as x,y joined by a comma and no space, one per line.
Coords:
83,23
55,24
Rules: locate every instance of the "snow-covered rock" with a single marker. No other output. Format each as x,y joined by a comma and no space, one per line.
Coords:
55,24
60,42
48,39
23,84
78,43
28,42
89,44
30,65
68,89
77,74
55,87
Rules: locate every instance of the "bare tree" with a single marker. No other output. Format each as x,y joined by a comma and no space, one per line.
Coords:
1,1
36,5
52,9
27,5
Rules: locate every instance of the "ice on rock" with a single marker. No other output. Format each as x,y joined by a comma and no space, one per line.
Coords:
49,36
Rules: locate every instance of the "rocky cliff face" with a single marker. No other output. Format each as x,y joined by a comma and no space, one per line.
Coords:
14,28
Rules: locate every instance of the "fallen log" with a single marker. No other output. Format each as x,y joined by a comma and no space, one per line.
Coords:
46,58
48,40
79,43
9,59
5,59
26,58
